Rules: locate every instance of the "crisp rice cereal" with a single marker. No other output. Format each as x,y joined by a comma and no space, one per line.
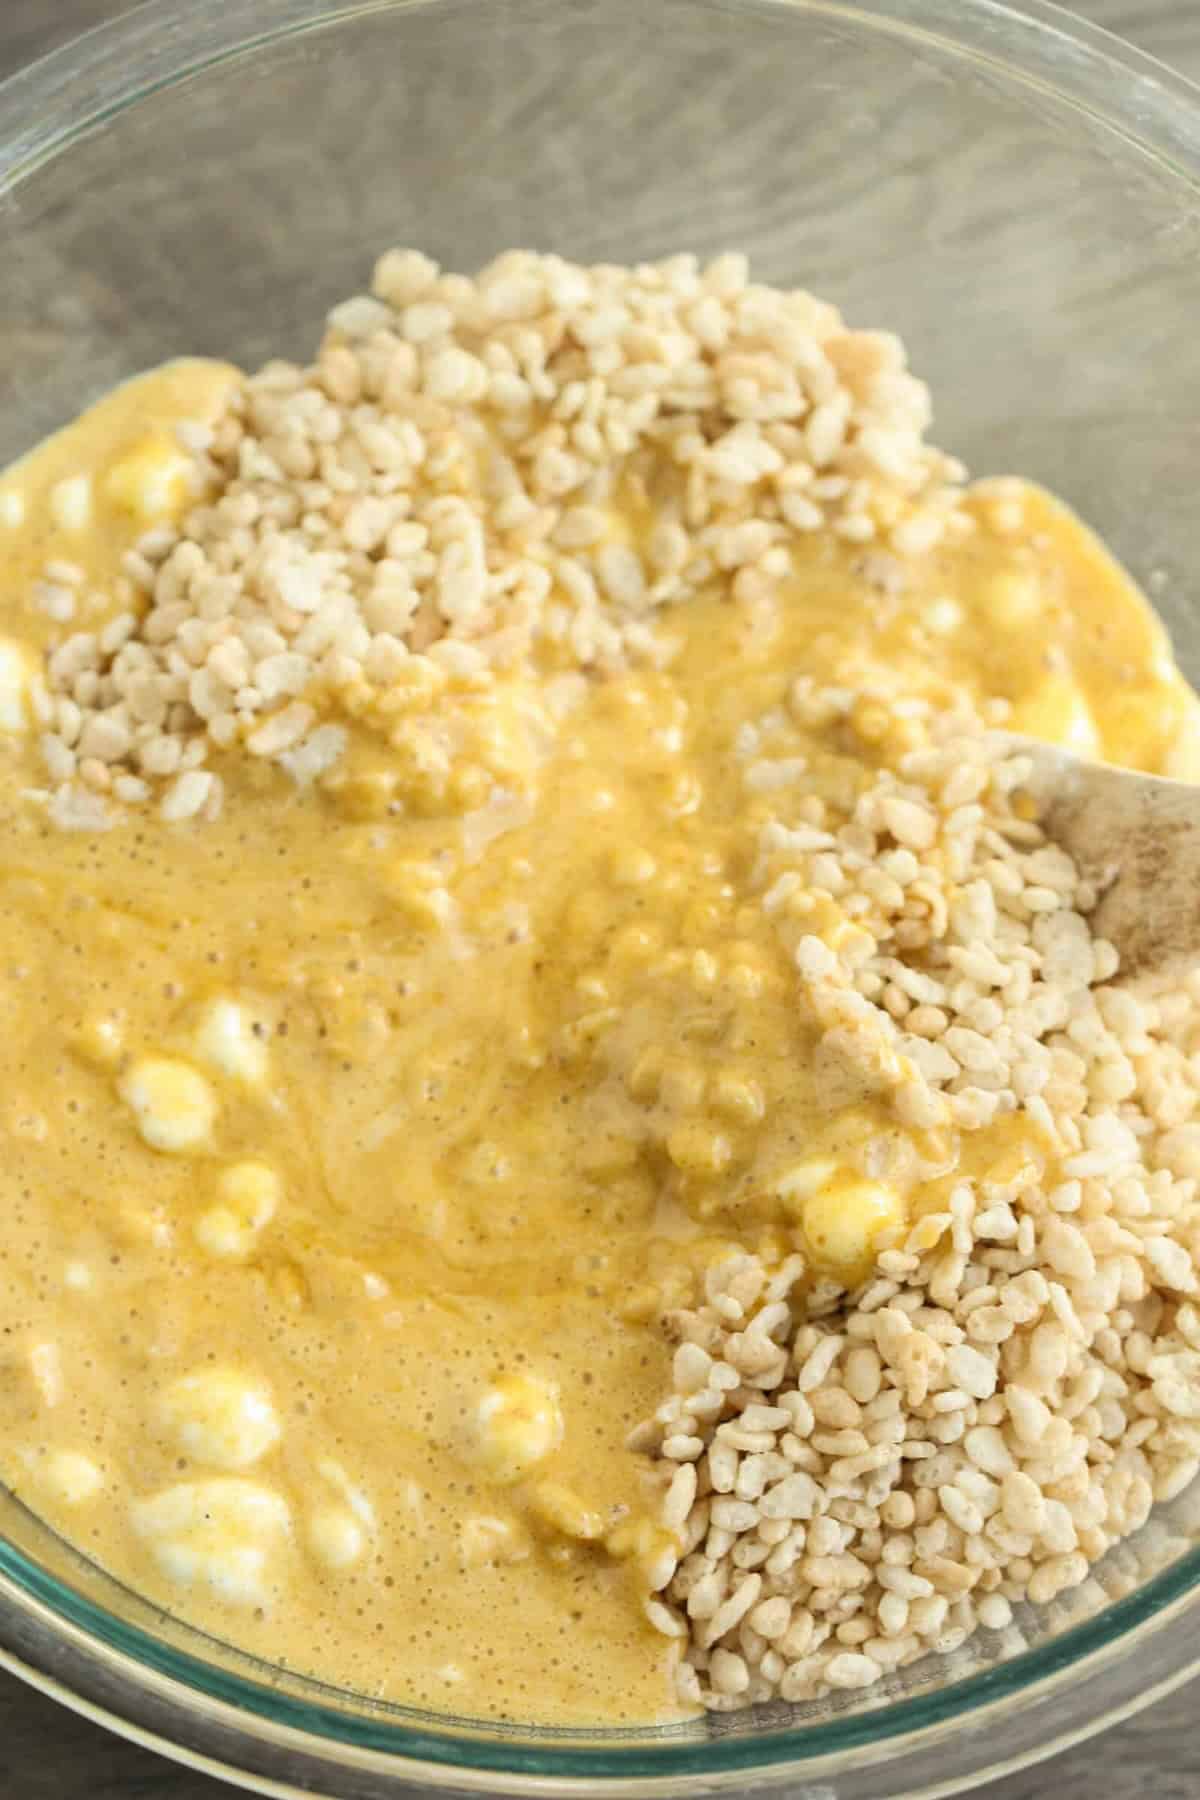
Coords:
1013,1387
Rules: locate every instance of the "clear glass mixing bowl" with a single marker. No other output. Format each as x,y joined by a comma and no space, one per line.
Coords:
1014,193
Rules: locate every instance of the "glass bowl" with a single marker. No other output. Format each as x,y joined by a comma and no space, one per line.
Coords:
1015,193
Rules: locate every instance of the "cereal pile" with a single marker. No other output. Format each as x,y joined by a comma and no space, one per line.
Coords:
432,498
855,1479
521,471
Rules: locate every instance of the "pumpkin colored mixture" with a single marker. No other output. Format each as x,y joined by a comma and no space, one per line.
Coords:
438,792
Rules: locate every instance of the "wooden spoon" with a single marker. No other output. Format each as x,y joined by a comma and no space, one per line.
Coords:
1136,838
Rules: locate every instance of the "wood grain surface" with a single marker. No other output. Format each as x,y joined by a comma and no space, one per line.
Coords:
47,1753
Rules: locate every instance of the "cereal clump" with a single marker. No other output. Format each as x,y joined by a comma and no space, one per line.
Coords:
856,1479
449,487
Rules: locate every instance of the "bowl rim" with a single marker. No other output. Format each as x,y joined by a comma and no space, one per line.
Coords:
227,1723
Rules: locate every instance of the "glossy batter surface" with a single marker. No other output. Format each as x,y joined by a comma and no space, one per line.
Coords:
352,1143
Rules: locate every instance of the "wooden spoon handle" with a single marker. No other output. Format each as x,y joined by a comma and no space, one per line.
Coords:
1137,839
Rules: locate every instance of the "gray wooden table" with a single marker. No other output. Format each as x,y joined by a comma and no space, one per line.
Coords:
47,1753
